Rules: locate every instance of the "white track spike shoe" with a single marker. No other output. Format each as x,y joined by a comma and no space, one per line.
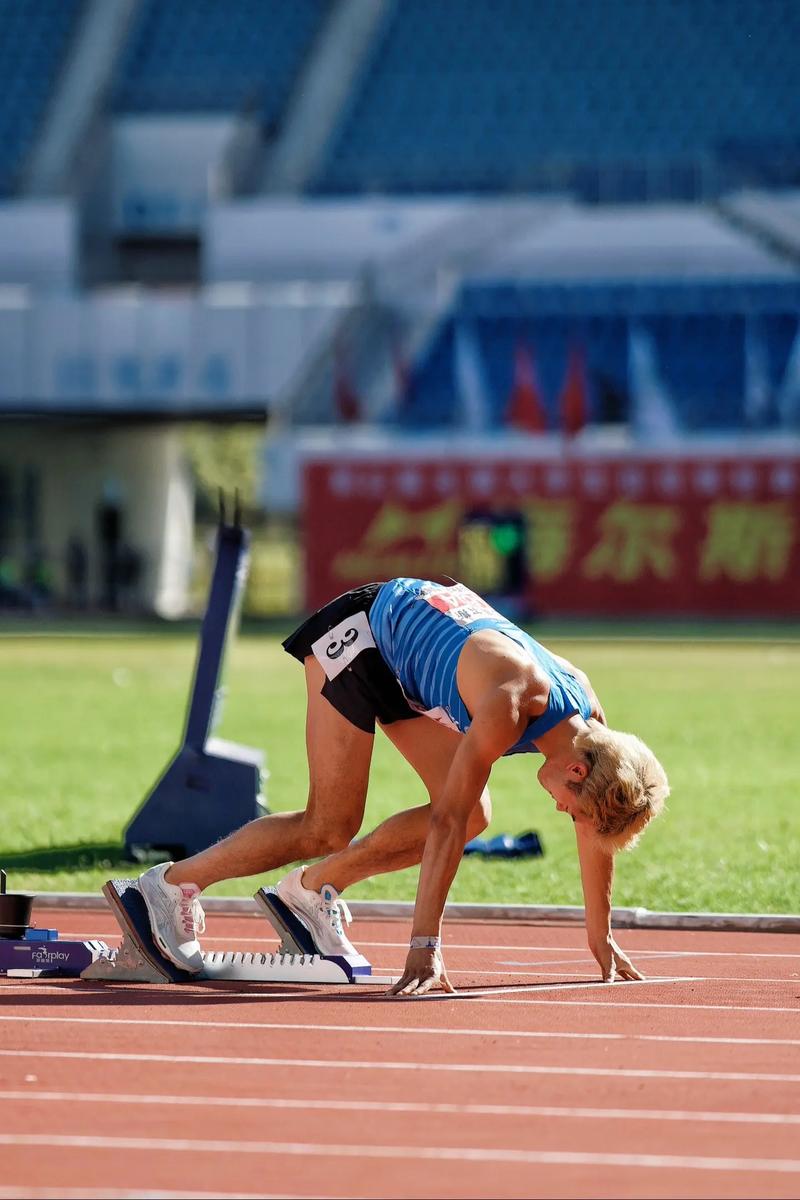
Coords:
321,912
176,917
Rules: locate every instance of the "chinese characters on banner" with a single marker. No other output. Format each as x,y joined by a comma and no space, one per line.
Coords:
700,535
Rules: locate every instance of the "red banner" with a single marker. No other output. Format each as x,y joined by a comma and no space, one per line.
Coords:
716,536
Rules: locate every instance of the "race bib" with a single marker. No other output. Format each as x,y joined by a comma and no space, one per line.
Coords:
336,649
459,603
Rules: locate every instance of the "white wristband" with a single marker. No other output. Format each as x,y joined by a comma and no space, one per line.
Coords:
426,942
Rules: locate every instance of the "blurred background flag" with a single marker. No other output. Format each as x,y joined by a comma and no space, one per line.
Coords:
757,391
653,412
401,368
346,399
471,387
788,398
526,409
573,405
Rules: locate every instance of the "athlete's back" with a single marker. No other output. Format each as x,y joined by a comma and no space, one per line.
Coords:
420,628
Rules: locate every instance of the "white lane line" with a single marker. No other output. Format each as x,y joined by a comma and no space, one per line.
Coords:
567,977
554,1158
403,1106
346,1064
660,1004
465,994
582,985
580,976
267,940
408,1030
185,994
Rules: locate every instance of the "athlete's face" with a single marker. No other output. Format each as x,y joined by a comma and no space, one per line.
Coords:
556,776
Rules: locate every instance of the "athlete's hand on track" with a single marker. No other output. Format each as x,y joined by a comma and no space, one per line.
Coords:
424,970
614,964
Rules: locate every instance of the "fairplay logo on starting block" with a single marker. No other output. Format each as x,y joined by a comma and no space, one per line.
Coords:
32,955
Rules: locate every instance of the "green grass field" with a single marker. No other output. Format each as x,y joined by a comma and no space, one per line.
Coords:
89,721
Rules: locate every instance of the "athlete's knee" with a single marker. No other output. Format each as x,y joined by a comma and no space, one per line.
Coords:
329,838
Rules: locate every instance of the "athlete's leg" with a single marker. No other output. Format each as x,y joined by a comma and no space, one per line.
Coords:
400,840
339,757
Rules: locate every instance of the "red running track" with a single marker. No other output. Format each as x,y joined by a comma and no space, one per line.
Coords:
535,1081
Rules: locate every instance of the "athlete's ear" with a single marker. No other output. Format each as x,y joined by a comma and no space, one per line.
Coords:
577,770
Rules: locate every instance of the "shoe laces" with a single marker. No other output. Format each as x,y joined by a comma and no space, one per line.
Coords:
192,917
335,910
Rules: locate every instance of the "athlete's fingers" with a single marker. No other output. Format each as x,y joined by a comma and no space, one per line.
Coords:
426,985
402,984
410,987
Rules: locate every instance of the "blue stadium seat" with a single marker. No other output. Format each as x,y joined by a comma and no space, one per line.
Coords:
216,55
34,36
613,100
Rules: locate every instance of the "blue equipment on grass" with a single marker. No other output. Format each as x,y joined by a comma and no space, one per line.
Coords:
524,845
212,786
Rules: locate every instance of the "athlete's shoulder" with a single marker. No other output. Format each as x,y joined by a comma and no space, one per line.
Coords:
394,599
405,583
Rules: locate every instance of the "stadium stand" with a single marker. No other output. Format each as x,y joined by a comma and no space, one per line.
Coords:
698,333
455,108
616,100
34,37
697,293
216,55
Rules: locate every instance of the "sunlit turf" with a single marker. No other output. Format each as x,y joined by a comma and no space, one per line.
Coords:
89,722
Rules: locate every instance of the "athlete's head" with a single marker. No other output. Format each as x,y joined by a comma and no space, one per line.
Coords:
611,780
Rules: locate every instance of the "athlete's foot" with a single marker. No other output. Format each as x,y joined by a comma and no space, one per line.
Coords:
176,917
321,912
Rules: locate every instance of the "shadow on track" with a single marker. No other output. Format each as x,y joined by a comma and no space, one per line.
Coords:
75,994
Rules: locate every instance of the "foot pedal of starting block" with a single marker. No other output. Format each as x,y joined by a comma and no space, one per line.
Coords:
295,937
138,959
296,940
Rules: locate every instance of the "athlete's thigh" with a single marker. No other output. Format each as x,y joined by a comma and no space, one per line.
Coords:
339,756
427,746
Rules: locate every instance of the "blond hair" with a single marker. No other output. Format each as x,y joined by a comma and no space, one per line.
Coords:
626,785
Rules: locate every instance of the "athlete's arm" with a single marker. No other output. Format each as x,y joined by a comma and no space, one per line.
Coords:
497,723
597,878
585,682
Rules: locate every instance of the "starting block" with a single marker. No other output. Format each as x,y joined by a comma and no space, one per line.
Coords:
138,959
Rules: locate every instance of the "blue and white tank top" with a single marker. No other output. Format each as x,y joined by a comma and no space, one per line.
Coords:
420,629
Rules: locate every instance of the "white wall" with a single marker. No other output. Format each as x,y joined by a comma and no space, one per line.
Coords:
162,168
139,348
318,239
38,243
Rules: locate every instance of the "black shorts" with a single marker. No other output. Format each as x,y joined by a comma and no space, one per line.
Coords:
358,682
